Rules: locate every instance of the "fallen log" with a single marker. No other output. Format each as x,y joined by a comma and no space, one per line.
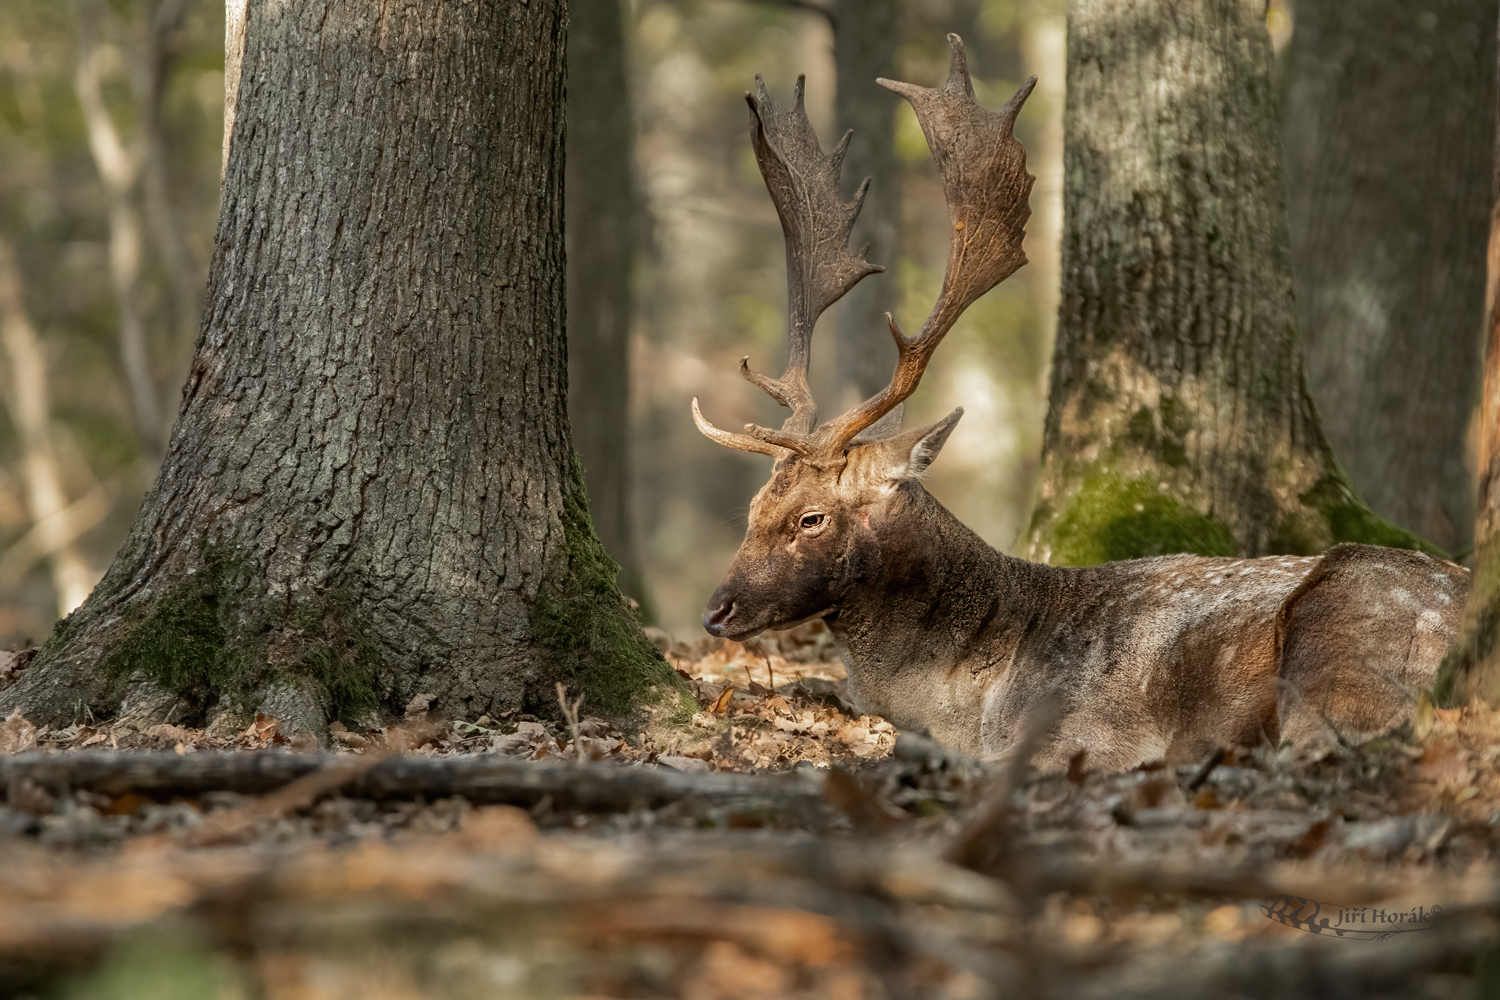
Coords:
481,779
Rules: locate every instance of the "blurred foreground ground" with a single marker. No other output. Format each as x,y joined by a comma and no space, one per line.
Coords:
863,864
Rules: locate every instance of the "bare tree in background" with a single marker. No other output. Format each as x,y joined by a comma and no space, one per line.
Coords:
119,168
1472,668
153,62
603,219
56,524
1389,147
1178,418
865,37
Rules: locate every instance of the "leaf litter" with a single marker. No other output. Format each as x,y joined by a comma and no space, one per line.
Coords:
924,874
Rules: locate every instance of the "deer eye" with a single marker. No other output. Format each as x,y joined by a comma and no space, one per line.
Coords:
811,520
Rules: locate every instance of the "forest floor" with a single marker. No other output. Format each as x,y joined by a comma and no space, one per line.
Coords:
785,847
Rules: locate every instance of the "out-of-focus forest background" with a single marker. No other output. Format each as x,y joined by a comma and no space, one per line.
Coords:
110,145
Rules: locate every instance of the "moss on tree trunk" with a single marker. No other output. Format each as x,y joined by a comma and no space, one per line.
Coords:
1178,419
371,490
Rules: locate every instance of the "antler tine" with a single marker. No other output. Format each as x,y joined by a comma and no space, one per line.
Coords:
987,187
729,439
816,222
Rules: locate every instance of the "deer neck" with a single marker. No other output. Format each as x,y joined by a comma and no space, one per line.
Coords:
930,613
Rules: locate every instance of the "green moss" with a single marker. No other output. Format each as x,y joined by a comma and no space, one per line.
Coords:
1349,519
203,641
1468,669
180,644
1109,519
591,629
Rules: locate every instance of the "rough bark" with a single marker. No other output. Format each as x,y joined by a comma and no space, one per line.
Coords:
1472,668
1178,419
603,235
1389,142
865,35
370,491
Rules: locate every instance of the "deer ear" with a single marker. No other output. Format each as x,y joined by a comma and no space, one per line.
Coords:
912,452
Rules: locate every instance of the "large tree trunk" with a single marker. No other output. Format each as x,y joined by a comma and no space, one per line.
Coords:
603,214
1389,142
1178,419
865,35
370,491
1472,668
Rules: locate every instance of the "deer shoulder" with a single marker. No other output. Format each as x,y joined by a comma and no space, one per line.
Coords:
1149,659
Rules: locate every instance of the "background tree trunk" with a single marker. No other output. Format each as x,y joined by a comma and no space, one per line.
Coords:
1472,668
1389,142
1178,418
56,523
865,36
370,491
603,236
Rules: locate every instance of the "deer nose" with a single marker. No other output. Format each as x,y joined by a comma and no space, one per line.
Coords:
717,616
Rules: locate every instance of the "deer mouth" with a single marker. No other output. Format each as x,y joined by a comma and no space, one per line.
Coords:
719,620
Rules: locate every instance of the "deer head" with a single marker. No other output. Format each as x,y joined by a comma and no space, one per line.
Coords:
838,490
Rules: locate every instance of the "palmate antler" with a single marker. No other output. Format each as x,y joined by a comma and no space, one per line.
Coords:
987,187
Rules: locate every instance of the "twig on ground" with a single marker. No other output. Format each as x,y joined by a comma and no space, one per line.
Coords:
570,713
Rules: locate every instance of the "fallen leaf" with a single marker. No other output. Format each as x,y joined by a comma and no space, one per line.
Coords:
416,709
722,702
17,735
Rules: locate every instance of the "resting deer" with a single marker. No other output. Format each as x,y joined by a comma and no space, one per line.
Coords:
1150,659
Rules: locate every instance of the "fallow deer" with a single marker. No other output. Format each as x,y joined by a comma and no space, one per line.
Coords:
1152,659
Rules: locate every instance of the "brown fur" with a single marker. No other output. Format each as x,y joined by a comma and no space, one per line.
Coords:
1150,659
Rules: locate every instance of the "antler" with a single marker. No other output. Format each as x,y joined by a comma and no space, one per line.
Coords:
987,188
820,267
985,180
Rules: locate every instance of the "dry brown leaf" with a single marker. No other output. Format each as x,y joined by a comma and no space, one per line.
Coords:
17,735
416,709
722,702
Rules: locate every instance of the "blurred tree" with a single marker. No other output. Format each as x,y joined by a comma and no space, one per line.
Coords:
1178,418
603,237
56,522
866,35
1472,668
55,213
370,492
1388,141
